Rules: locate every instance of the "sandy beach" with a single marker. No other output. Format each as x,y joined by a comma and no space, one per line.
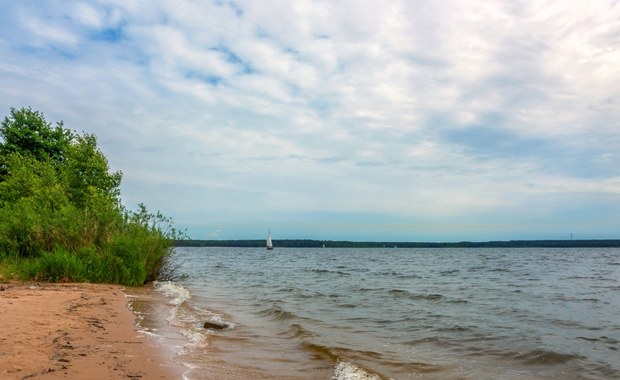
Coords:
74,331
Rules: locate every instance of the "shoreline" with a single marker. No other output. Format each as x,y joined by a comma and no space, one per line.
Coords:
75,331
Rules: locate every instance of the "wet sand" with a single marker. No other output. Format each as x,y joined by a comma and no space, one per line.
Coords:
74,331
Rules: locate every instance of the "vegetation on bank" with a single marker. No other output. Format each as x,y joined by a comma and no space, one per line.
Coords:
61,217
308,243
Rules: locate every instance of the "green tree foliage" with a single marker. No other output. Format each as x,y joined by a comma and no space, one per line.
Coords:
26,131
86,171
61,217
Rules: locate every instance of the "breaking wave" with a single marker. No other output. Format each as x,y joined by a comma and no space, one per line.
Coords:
349,371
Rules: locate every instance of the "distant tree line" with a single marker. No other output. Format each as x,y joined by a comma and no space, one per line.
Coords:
308,243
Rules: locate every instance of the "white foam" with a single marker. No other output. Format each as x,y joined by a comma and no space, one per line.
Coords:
195,339
349,371
190,368
177,293
137,313
151,333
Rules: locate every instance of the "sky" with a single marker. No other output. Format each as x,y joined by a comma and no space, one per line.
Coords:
355,120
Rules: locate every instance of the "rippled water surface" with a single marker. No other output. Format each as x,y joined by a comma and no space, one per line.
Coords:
396,313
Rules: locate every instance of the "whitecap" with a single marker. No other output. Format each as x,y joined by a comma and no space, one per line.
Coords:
177,293
349,371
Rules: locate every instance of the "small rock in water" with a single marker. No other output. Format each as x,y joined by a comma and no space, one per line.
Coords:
215,325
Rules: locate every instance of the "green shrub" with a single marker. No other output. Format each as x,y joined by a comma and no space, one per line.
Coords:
55,266
61,218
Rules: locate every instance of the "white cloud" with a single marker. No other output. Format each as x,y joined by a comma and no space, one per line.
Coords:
446,112
87,15
45,32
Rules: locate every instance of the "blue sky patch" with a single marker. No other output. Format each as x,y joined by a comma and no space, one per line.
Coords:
111,35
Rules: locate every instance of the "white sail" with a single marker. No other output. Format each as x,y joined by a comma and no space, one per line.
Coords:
269,243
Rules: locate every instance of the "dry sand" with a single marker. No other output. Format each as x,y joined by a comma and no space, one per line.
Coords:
74,331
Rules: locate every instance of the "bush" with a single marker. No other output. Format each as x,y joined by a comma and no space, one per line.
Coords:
55,266
61,218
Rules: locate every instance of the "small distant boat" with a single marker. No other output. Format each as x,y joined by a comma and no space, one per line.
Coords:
269,242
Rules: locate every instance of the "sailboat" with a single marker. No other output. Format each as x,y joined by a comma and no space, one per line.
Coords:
269,242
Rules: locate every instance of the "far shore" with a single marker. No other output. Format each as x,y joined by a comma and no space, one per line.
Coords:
74,331
309,243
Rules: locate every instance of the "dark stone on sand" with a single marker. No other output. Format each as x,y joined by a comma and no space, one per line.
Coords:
215,325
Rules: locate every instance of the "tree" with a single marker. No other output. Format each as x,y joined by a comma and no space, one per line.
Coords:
78,161
86,170
26,132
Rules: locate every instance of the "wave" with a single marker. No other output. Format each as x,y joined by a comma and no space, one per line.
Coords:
297,331
337,354
456,329
370,290
276,312
349,371
177,293
345,369
449,272
187,316
415,296
329,271
535,357
457,301
614,343
366,365
424,340
546,357
397,274
565,298
500,270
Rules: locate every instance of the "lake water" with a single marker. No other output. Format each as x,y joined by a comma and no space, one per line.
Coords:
390,313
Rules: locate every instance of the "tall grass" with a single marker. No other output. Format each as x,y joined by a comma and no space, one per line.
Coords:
81,250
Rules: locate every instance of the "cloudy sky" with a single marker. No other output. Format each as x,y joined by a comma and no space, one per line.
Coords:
360,120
